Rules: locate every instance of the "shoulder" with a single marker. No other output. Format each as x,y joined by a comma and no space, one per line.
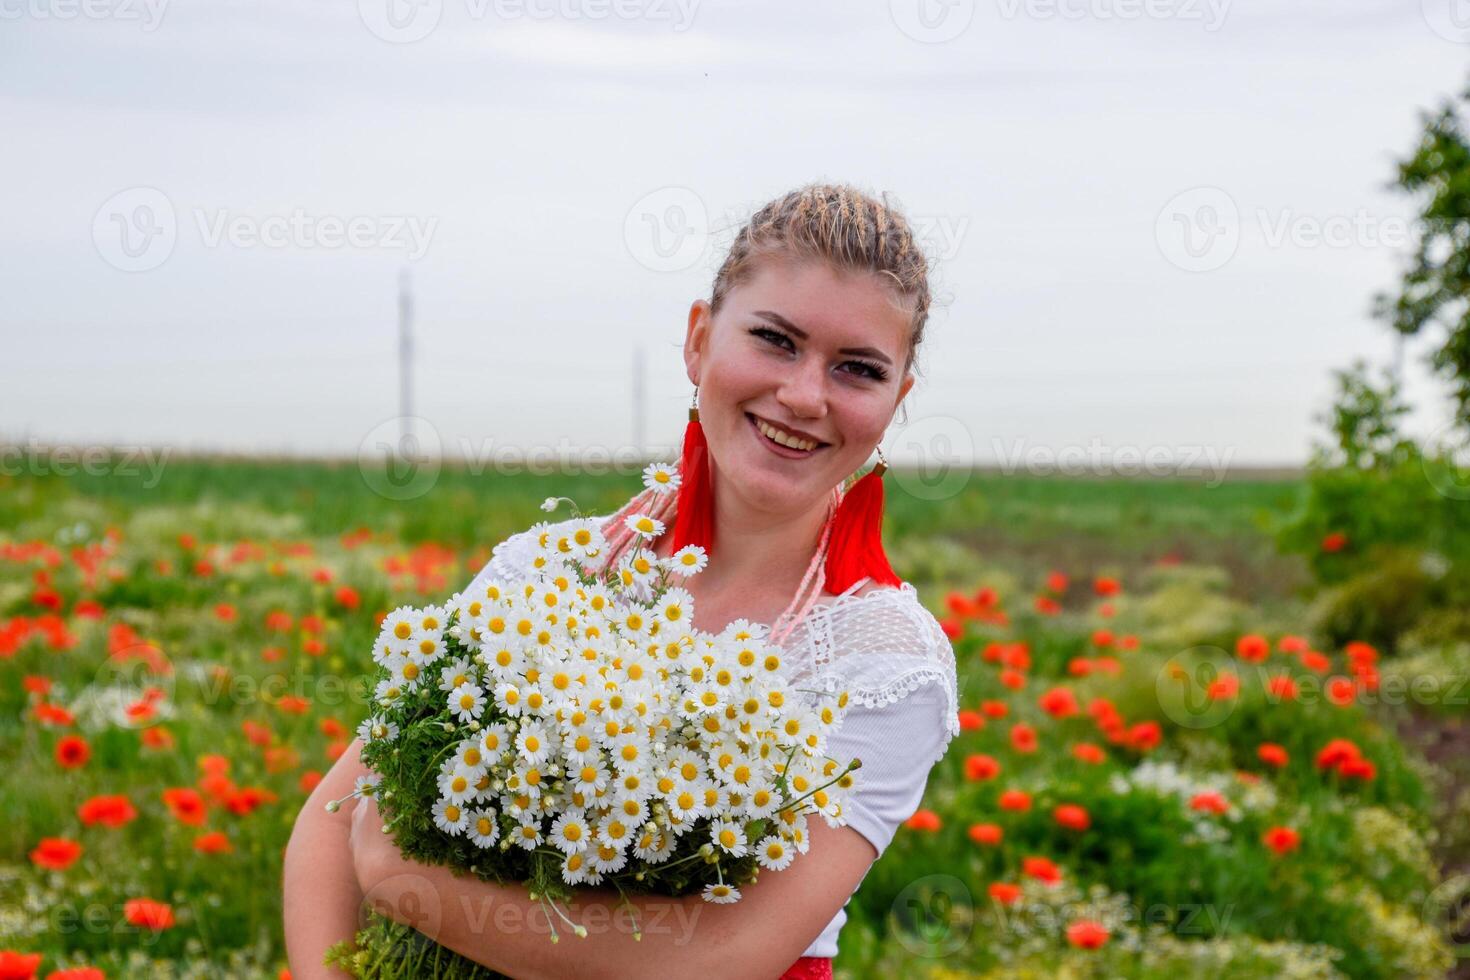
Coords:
513,556
889,651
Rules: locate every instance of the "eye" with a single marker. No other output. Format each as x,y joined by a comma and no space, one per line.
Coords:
864,369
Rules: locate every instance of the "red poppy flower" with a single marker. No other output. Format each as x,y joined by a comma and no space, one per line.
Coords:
77,973
1340,691
1102,638
1281,687
1015,800
1072,817
1281,839
214,842
1105,586
186,805
1056,582
1252,647
1087,752
1013,679
1042,869
1023,737
981,767
1046,605
18,966
1334,542
1210,802
110,811
1272,754
72,752
953,628
1059,702
1004,892
1087,934
1223,688
988,834
971,721
926,820
347,597
56,853
1315,662
995,709
1145,735
145,913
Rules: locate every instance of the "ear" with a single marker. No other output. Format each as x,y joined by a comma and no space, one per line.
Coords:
903,390
696,338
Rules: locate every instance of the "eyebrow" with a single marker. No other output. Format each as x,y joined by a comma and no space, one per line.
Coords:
781,321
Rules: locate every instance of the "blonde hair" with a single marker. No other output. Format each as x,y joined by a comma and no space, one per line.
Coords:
841,225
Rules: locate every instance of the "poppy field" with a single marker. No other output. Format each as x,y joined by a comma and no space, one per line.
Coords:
1162,770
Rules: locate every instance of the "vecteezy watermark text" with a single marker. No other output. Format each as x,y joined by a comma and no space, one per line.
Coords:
1100,459
36,459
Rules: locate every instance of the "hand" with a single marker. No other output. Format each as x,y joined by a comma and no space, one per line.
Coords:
373,852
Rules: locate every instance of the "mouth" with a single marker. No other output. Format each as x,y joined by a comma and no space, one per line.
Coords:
781,442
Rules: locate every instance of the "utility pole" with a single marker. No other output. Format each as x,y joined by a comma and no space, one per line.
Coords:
407,442
638,401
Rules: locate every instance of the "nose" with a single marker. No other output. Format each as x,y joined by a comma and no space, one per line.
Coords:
803,391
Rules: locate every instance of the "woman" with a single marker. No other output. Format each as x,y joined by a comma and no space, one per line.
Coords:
800,359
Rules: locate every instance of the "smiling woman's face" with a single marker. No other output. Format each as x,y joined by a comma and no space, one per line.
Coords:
806,349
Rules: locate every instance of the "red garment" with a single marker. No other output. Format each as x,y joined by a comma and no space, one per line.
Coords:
809,968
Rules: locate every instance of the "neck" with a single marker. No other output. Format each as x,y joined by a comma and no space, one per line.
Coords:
758,546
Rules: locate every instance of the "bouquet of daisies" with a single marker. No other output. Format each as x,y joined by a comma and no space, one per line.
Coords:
574,729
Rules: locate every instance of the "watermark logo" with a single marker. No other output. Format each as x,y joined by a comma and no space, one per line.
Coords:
1445,462
667,230
400,21
932,916
943,447
1199,230
135,230
932,21
1189,687
400,458
1450,19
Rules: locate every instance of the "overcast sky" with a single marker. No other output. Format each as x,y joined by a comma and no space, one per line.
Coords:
1158,223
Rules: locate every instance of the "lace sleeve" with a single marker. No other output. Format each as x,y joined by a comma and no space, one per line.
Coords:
883,647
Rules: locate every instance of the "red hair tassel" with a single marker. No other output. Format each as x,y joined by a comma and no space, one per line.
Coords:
855,548
694,516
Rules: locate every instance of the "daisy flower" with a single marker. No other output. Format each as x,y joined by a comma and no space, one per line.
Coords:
527,834
533,742
773,853
591,777
482,828
376,728
450,817
467,702
570,832
457,785
721,893
508,699
574,869
365,786
661,478
549,504
728,837
687,561
606,859
456,673
494,740
676,607
644,526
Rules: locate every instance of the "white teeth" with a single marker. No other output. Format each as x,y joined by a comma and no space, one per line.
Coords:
776,435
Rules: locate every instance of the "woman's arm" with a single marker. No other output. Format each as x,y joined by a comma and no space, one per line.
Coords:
321,894
763,934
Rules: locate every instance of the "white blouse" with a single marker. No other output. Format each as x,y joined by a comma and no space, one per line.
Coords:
893,658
